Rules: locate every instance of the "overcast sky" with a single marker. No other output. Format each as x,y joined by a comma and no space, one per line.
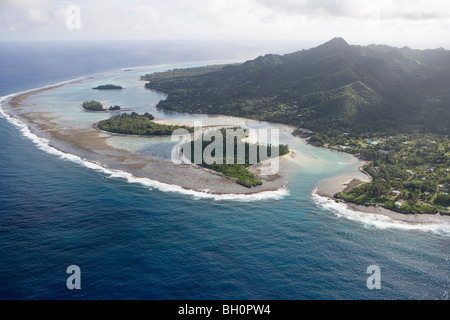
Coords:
416,23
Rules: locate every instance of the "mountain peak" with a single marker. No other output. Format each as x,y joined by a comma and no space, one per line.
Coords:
335,44
337,41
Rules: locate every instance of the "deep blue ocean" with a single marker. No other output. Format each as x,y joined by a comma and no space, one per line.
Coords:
134,243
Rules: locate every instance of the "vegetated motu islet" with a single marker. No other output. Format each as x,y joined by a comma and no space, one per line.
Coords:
108,87
93,106
239,168
114,108
136,124
343,95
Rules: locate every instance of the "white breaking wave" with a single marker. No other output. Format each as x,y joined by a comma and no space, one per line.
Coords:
380,221
43,144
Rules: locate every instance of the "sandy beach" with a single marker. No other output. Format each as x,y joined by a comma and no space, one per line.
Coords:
331,186
409,218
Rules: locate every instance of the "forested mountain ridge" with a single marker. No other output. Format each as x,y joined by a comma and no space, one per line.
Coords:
332,88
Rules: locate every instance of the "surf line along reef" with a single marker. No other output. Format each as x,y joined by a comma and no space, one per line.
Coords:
219,149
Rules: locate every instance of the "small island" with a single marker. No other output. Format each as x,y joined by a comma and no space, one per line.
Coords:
239,168
108,87
96,106
136,124
114,108
93,106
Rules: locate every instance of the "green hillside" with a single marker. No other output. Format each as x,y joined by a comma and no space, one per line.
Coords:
333,88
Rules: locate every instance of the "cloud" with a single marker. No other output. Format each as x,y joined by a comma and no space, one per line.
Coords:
25,4
310,7
37,15
28,15
240,19
399,9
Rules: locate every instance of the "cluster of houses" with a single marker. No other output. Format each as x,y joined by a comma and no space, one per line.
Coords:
372,143
442,189
367,142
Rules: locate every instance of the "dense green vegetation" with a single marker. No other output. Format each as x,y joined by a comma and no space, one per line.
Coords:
410,173
331,89
108,87
237,169
138,125
98,106
179,74
93,106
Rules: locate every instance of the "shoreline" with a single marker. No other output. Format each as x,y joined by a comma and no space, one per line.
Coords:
330,187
